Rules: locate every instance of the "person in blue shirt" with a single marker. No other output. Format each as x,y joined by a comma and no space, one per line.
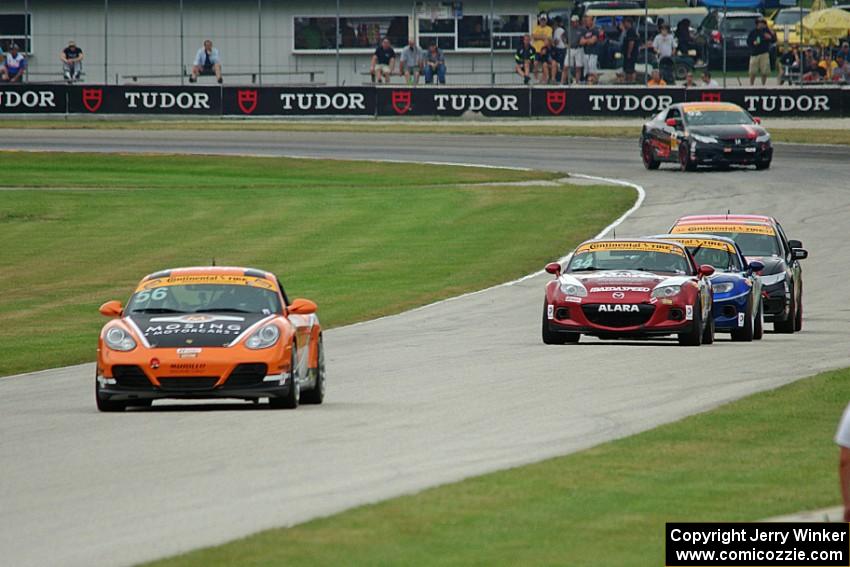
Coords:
14,66
207,62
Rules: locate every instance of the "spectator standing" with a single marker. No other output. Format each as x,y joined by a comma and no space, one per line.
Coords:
759,41
683,37
590,43
546,58
842,439
541,32
72,62
16,64
707,81
207,62
559,41
629,46
524,59
383,62
664,45
575,55
411,62
841,71
655,79
435,63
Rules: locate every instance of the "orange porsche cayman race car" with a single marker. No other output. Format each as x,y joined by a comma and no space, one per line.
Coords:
210,332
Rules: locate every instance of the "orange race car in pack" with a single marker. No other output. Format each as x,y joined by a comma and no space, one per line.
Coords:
210,332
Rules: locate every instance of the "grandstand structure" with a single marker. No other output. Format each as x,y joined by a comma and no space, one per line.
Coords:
261,41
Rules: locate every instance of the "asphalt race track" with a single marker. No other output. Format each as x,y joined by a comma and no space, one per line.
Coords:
415,400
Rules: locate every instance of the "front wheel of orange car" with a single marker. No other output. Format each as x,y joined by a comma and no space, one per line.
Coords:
290,400
104,404
316,395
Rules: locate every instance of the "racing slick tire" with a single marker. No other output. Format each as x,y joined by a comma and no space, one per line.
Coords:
104,404
798,318
317,394
290,401
746,333
649,161
552,338
788,326
758,328
708,334
685,163
695,335
762,165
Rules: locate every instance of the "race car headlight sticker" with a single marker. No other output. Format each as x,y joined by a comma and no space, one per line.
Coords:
705,139
666,291
773,279
119,339
724,287
263,337
573,290
763,139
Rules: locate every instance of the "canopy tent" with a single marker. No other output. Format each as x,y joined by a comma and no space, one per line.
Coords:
732,5
827,26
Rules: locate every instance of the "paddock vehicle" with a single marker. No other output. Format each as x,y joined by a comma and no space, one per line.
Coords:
762,238
735,285
705,133
629,288
210,332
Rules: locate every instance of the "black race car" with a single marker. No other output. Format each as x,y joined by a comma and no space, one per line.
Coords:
762,238
705,133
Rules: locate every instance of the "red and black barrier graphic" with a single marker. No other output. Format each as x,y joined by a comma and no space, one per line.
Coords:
300,101
98,99
403,101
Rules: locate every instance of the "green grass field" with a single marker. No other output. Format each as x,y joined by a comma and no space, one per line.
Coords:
572,128
362,239
765,455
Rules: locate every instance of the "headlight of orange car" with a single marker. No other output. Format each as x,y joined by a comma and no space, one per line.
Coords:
263,337
118,339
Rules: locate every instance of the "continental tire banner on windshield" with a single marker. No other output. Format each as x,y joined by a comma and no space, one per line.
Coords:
30,99
306,101
594,101
100,99
810,102
431,101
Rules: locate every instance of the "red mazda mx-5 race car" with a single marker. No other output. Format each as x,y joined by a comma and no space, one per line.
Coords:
629,288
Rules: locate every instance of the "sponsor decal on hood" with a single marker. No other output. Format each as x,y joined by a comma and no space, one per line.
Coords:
193,330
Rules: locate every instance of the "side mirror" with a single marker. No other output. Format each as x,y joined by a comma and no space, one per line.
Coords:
302,307
554,268
706,270
111,309
799,253
672,122
757,120
755,266
795,244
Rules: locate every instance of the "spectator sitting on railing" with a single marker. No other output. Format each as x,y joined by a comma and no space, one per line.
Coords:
410,65
207,62
435,64
788,64
16,63
707,81
383,61
655,79
812,72
689,80
841,71
72,62
524,58
843,50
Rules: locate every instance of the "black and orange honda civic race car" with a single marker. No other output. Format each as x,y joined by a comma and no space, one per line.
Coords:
210,332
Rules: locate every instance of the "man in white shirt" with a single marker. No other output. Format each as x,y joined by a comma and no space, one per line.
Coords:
559,39
664,43
411,62
842,438
13,69
707,81
207,62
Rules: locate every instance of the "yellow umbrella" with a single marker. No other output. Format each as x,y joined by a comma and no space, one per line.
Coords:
827,26
818,5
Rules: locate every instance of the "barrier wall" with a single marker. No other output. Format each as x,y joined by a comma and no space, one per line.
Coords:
403,101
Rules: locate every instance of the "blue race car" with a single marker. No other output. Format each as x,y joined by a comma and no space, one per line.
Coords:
735,284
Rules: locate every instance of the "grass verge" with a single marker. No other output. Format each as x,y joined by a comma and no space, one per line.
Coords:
362,239
762,456
547,128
